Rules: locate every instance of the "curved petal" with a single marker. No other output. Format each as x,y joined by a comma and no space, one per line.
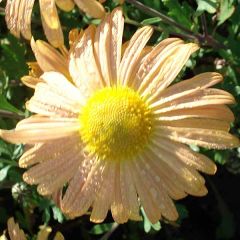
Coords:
165,203
104,196
82,65
91,7
132,54
146,192
12,16
65,5
58,169
220,112
108,44
197,123
26,19
205,97
51,98
30,81
177,177
48,58
14,231
83,188
208,138
188,87
119,211
37,129
51,23
164,66
45,151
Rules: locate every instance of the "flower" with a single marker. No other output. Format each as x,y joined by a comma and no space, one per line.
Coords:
15,233
114,134
18,16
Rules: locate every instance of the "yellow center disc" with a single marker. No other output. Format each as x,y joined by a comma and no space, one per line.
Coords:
115,123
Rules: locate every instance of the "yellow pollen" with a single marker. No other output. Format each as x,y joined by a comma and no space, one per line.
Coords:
116,123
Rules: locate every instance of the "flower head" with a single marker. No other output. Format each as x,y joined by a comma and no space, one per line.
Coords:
114,131
18,16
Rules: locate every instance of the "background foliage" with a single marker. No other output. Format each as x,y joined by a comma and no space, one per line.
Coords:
215,24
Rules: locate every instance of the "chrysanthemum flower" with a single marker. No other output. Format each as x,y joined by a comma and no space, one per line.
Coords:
18,16
114,133
15,233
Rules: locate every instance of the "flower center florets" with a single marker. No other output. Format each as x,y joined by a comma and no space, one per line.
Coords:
115,123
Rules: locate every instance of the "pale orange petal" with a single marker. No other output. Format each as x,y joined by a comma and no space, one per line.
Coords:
192,159
51,23
165,203
151,64
197,123
51,100
104,196
82,65
91,7
205,97
40,129
132,54
164,66
12,16
82,192
220,112
26,19
173,188
175,180
208,138
53,173
45,151
107,43
129,192
187,87
119,210
146,192
65,5
30,81
14,231
48,58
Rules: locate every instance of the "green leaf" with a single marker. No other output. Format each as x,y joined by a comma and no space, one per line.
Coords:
180,12
5,105
226,11
101,228
147,225
209,6
4,172
150,21
57,214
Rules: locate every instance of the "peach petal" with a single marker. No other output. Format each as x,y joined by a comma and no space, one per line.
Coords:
83,67
208,138
91,7
132,53
108,44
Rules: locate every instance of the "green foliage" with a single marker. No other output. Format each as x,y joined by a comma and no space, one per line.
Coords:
215,25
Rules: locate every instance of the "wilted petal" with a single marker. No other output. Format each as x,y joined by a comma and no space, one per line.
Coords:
91,7
14,231
65,5
48,58
51,23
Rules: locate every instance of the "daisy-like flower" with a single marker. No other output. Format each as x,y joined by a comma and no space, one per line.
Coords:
18,16
15,233
114,133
